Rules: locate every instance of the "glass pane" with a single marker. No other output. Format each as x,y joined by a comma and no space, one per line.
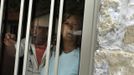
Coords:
10,20
115,53
38,37
70,37
71,32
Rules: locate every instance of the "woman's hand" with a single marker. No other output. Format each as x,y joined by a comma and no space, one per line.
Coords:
10,42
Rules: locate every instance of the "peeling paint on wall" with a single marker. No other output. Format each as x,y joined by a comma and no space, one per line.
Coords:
115,55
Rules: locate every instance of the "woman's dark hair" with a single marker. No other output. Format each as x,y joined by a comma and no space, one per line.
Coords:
73,12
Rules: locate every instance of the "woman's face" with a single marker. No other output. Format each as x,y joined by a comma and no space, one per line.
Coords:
70,25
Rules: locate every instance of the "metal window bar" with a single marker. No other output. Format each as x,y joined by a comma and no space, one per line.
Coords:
49,36
88,38
27,37
19,37
1,19
58,37
1,15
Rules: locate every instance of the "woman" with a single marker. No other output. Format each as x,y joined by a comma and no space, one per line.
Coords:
69,56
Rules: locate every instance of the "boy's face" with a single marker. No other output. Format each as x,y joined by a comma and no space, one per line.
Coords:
39,31
39,34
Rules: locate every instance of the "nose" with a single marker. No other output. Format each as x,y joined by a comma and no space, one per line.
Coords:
70,26
34,31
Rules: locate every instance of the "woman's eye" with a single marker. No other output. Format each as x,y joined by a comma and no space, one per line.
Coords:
66,23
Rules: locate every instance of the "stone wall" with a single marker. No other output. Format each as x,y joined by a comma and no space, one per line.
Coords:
115,55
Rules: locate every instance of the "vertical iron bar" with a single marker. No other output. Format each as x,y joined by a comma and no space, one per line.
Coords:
1,15
27,37
58,37
1,19
49,36
19,37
